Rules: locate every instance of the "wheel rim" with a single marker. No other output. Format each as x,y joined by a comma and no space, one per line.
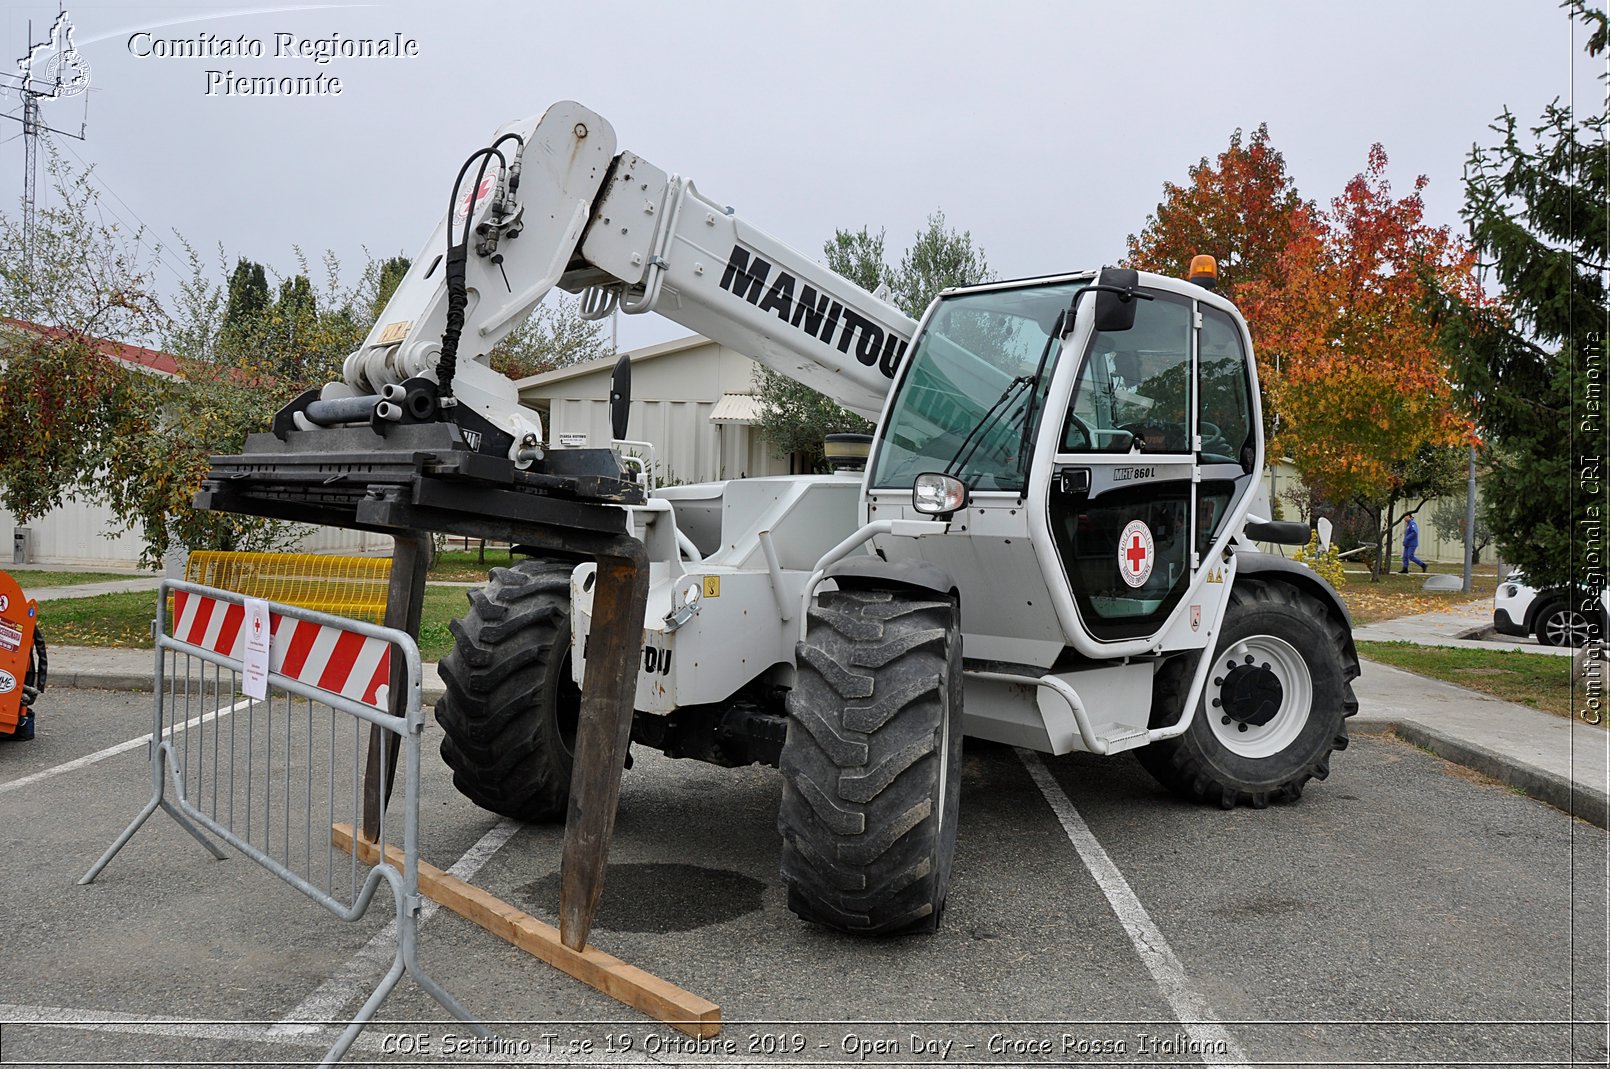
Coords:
1266,665
1567,628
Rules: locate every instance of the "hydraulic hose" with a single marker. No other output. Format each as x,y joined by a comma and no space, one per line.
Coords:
454,270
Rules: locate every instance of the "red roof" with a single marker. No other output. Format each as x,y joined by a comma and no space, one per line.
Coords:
137,355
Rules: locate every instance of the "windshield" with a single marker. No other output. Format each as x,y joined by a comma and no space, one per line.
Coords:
963,401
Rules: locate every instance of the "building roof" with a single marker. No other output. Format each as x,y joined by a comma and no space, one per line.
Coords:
648,352
138,356
741,408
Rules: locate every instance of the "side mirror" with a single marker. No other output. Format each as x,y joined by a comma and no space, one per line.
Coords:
1116,311
620,396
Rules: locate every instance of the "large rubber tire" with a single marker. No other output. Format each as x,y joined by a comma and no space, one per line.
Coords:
872,762
1562,624
510,711
1215,762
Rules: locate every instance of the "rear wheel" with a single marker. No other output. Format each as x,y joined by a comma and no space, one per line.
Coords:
872,764
510,712
1274,707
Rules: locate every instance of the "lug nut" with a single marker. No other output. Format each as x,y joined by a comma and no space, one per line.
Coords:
1241,727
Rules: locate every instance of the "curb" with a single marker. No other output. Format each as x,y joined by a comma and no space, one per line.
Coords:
1577,799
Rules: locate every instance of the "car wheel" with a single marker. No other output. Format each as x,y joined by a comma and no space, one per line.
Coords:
1561,624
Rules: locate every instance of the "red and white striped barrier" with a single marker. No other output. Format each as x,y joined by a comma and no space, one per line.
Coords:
341,662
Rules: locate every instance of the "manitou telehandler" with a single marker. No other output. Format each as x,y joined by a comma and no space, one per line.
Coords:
1049,543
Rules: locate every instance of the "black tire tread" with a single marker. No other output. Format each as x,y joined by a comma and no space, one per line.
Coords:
515,636
860,765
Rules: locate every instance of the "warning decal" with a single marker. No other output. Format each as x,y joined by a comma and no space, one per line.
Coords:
1135,553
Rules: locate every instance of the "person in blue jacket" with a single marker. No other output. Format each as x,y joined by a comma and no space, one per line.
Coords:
1411,542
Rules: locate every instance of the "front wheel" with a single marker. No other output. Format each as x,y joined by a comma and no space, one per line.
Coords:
872,763
1562,625
1274,707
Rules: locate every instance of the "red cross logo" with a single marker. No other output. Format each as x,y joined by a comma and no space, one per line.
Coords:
1135,547
480,194
1135,554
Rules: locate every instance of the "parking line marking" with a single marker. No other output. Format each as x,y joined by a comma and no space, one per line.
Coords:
355,979
113,751
1159,958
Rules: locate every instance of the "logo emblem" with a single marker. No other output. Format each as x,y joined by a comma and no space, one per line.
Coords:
480,196
5,603
53,68
8,682
1135,553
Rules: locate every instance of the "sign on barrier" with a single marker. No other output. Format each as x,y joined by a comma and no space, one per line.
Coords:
271,775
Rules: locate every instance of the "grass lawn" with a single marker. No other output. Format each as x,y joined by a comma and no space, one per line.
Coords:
125,620
465,566
1400,595
1539,680
29,579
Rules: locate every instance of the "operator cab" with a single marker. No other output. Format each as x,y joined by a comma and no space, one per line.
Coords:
1116,412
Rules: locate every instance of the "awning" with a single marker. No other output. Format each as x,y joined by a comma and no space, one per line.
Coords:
743,408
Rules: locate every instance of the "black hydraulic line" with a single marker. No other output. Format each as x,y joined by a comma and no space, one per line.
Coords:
456,265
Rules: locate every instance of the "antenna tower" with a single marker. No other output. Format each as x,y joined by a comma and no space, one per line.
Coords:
50,70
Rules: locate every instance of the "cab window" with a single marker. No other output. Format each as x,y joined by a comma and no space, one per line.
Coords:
1225,422
1134,388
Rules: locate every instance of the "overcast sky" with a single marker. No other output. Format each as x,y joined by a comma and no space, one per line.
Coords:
1047,129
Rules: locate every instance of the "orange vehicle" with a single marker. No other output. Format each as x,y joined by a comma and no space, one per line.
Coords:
22,660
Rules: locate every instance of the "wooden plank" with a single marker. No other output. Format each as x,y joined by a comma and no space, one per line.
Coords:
645,992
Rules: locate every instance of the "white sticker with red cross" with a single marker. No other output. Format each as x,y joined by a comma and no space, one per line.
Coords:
1135,553
480,196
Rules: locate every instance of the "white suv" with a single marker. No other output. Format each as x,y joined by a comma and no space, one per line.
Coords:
1557,617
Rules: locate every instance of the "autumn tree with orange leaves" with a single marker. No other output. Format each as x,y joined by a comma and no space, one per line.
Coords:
1363,389
1355,383
1240,208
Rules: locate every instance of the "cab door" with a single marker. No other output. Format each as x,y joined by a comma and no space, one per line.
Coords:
1122,496
1158,449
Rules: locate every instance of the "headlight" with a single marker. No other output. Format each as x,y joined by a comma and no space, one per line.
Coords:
938,495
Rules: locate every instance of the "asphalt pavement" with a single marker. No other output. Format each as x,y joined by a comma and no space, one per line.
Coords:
1563,762
1403,911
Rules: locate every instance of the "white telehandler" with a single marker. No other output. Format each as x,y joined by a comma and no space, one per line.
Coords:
1049,542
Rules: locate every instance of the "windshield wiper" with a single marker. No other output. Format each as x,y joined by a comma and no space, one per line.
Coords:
975,437
1054,338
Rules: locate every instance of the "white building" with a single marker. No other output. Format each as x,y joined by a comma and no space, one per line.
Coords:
693,399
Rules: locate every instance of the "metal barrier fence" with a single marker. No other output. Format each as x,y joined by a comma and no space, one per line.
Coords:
270,776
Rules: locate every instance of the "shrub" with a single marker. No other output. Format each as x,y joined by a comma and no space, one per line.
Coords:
1327,565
